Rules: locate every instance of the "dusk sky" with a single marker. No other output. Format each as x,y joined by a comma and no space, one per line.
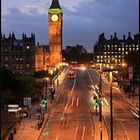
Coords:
83,20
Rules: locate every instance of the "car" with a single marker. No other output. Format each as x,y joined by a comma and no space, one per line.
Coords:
71,74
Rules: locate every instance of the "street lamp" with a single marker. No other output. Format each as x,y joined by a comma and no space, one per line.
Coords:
111,107
100,103
110,70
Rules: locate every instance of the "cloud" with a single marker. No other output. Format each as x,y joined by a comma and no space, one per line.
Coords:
83,20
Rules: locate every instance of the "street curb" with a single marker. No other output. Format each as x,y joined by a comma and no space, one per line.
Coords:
43,126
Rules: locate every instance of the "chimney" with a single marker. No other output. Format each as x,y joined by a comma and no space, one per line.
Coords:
129,34
115,35
123,37
111,37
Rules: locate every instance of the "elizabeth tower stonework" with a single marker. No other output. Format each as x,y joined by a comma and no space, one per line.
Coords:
55,33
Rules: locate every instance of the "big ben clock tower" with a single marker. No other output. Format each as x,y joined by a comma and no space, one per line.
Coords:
55,33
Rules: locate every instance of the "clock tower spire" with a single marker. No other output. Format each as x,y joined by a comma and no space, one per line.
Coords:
55,33
55,4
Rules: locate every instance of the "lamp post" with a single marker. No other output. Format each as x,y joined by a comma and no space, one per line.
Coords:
111,107
110,70
100,105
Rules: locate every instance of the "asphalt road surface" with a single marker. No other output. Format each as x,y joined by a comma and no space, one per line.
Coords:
72,114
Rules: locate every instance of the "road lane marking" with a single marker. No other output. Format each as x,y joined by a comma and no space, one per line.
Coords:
83,133
106,101
76,131
127,137
77,103
67,122
72,102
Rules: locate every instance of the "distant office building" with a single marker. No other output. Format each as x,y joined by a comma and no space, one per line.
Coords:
75,53
22,55
114,49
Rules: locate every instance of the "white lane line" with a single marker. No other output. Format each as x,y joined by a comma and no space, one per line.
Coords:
72,102
73,86
127,137
106,101
76,131
83,133
77,103
67,122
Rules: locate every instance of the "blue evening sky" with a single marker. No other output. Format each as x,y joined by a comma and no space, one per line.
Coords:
83,20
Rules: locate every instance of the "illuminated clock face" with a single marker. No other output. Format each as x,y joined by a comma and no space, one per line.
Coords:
54,17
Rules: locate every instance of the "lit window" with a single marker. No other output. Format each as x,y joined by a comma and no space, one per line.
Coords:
27,65
28,47
104,52
17,58
126,52
108,46
104,56
21,66
6,58
20,58
101,56
6,65
133,49
17,66
137,49
130,49
97,56
5,50
133,45
21,44
119,49
122,49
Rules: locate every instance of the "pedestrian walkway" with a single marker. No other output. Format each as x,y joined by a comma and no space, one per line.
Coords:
27,129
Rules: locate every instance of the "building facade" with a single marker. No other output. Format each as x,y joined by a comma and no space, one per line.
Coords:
18,55
55,33
114,50
22,55
41,58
